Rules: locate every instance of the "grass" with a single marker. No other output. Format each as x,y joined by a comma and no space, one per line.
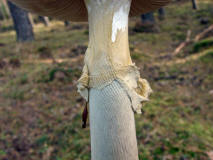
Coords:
40,110
207,58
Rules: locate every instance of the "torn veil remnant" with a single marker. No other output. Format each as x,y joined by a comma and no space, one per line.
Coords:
137,89
108,57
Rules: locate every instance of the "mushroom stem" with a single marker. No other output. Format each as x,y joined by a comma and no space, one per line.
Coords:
112,124
116,90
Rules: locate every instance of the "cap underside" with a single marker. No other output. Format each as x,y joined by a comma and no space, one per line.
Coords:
75,10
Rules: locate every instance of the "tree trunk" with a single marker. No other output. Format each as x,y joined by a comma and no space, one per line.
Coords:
194,4
66,23
161,13
31,19
2,17
147,23
22,25
45,20
148,18
114,82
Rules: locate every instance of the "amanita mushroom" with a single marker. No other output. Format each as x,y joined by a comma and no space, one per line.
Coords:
110,81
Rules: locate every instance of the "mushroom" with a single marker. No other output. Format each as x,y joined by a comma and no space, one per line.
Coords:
110,81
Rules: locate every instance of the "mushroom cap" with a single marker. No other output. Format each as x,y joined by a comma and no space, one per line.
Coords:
75,10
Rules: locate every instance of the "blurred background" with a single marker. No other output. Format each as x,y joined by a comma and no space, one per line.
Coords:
41,60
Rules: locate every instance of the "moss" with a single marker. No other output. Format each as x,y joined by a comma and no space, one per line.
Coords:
42,140
198,46
2,153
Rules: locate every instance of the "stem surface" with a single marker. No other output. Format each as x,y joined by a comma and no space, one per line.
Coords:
112,82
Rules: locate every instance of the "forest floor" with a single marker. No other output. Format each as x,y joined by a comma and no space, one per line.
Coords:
40,110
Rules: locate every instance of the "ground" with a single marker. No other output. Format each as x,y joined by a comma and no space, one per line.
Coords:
40,110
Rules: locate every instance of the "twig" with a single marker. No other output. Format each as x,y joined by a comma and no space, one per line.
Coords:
183,60
183,44
51,61
202,34
188,40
